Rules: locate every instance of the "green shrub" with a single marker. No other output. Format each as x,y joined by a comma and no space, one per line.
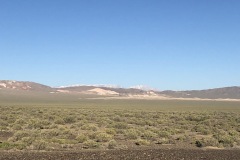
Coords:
131,134
8,146
90,144
81,138
103,137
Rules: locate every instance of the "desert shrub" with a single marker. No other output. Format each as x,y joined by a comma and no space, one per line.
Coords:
81,138
59,121
210,142
120,131
67,146
20,134
91,127
35,124
111,131
196,118
53,126
140,122
112,144
90,144
39,145
69,134
233,133
117,118
182,138
205,142
131,134
202,129
120,125
224,138
69,119
3,123
103,137
92,135
8,146
163,134
164,141
49,117
102,123
62,141
4,117
149,135
17,127
142,142
150,123
28,140
20,121
50,133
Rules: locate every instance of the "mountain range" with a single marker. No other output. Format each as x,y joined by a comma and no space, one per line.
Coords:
115,91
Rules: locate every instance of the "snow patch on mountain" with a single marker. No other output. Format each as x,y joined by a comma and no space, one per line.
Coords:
92,85
144,87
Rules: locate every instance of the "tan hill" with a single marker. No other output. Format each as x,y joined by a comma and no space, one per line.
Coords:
23,85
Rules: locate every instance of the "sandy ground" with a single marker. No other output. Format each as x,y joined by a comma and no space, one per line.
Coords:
147,154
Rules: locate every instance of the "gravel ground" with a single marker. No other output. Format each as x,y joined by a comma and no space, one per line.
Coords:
146,154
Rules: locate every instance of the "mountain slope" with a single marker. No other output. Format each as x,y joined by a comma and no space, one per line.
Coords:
217,93
24,85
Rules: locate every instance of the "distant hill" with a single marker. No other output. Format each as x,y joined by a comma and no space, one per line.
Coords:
24,86
223,93
120,91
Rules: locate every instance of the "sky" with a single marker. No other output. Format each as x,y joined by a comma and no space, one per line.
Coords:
163,44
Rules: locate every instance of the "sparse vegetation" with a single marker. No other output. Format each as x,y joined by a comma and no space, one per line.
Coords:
118,126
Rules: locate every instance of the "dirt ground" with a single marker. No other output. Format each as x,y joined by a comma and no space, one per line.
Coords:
145,154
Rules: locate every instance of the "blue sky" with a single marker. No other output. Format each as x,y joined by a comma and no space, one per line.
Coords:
168,44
